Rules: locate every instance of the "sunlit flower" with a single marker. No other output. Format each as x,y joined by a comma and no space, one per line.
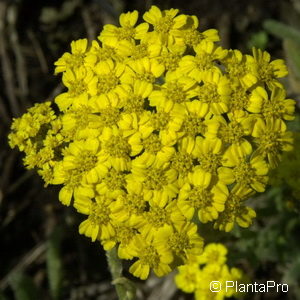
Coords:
165,24
151,254
160,128
112,34
72,60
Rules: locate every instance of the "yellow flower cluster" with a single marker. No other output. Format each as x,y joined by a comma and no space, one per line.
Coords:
207,274
37,134
158,125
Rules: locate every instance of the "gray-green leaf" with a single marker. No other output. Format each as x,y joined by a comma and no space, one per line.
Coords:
54,263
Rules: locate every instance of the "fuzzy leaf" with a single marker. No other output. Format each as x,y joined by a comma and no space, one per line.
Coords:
282,31
54,263
23,287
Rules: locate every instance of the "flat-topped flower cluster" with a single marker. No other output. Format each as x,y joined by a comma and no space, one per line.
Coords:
160,129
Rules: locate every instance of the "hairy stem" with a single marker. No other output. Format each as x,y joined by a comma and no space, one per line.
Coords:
124,287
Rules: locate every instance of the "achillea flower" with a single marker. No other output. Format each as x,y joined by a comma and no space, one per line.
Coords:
151,254
165,24
72,60
159,124
277,106
198,274
99,222
235,210
265,70
112,34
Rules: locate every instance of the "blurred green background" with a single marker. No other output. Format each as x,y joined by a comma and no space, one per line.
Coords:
42,256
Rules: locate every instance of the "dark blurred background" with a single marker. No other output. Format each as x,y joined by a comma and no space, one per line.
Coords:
42,256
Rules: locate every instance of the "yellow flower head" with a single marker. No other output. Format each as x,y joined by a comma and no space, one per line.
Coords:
198,275
74,59
111,34
213,254
165,24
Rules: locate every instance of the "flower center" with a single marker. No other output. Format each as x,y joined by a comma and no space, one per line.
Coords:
106,83
73,179
182,162
104,53
192,37
75,60
193,125
114,180
203,61
210,162
265,72
200,198
157,217
232,207
155,179
117,146
208,93
179,242
213,256
85,161
134,103
272,109
244,173
160,120
152,144
99,214
236,69
232,133
109,116
150,257
134,203
269,142
125,33
164,25
77,87
139,51
169,60
146,76
175,93
238,99
124,234
81,116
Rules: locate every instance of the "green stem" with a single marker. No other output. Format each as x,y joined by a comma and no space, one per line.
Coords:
124,287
